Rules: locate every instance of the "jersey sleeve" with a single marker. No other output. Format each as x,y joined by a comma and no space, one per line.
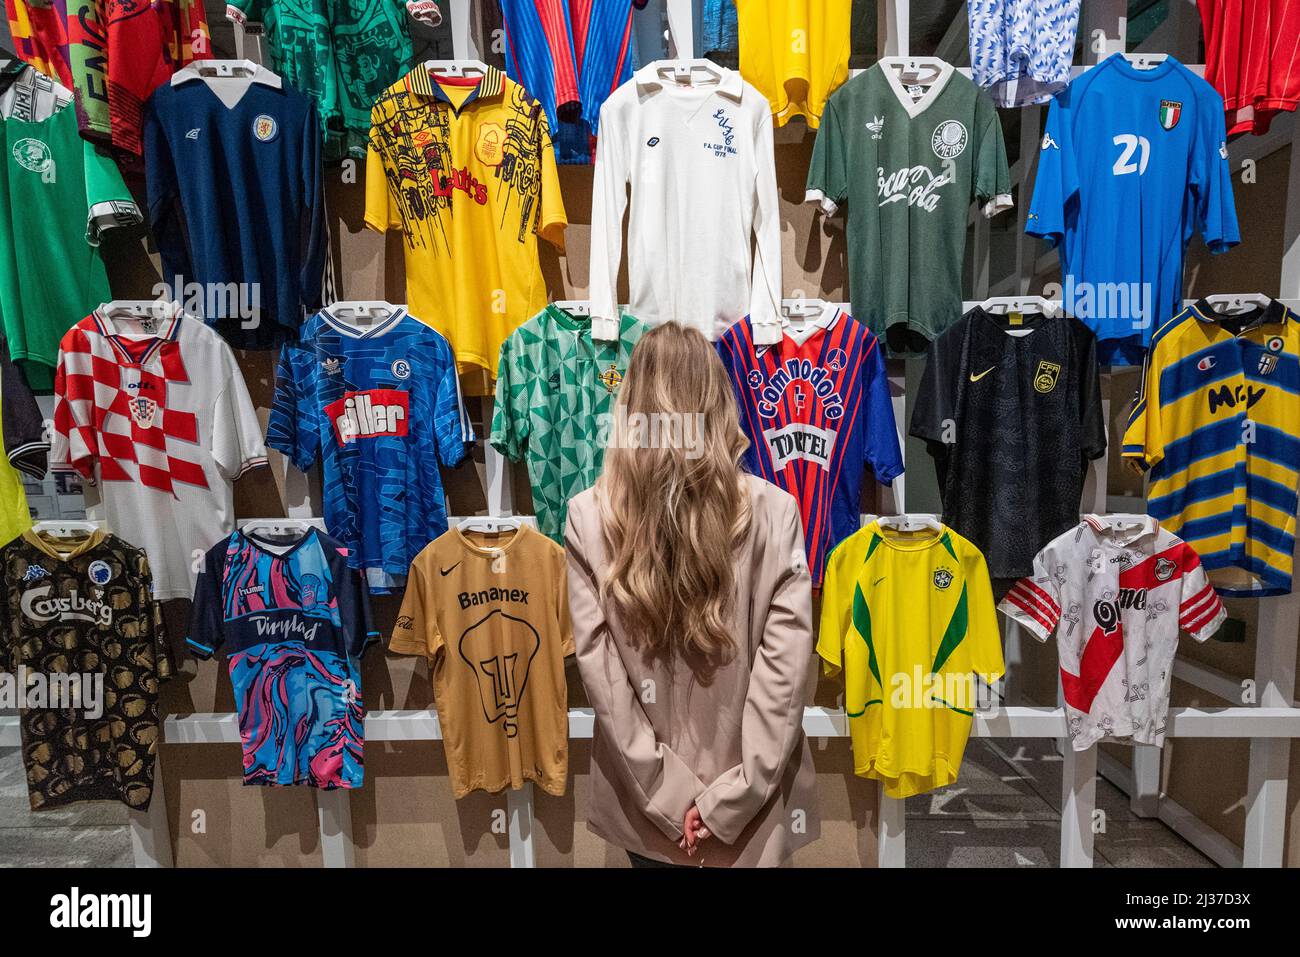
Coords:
1056,183
416,630
1144,438
828,178
882,451
381,211
1211,179
608,203
1092,417
510,418
553,217
567,646
452,429
1200,612
294,426
355,610
75,447
236,434
26,444
992,181
837,600
1034,602
313,226
108,202
163,192
151,618
207,617
244,11
934,415
982,620
765,281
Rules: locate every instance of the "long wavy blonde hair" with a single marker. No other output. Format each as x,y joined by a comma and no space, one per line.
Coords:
673,504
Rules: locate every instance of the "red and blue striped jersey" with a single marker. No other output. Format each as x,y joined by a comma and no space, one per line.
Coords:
816,409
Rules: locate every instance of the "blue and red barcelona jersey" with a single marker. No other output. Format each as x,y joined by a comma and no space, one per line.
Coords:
571,55
294,621
816,409
380,406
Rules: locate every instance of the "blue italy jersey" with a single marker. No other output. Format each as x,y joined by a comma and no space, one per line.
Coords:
1132,163
381,408
293,621
816,409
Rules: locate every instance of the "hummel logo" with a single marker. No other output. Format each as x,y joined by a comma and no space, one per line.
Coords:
192,134
447,571
877,126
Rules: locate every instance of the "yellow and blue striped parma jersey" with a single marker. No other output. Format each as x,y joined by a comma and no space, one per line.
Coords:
910,619
1215,422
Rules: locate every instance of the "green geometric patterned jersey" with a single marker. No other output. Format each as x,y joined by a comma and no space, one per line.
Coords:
556,388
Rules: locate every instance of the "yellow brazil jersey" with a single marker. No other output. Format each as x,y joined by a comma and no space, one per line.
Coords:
1217,422
910,619
796,52
464,167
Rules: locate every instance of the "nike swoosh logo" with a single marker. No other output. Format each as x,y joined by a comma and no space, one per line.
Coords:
879,580
447,571
976,378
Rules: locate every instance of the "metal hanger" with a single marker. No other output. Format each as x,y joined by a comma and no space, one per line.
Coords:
281,527
1238,302
489,524
1001,305
1145,61
454,69
362,312
67,527
910,522
683,70
911,68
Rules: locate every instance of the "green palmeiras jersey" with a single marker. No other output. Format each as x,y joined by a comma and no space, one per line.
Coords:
556,388
908,161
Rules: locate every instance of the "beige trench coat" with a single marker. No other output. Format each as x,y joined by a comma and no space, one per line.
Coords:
734,746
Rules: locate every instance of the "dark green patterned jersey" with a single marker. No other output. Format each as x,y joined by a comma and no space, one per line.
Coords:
342,53
556,387
80,614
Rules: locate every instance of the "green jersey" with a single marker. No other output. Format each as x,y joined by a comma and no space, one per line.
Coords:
556,387
58,193
342,53
908,161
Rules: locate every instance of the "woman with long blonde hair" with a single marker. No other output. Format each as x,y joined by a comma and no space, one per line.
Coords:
692,616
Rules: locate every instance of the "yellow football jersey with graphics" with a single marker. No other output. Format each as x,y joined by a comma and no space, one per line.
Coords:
466,170
910,619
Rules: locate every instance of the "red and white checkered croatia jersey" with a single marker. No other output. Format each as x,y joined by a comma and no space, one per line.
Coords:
1116,593
155,412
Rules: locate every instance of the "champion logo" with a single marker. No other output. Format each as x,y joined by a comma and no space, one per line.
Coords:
192,134
372,414
1206,364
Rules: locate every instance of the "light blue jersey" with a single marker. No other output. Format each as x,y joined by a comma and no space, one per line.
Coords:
1132,163
1021,50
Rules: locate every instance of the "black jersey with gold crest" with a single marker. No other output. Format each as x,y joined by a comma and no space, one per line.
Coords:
84,637
1010,409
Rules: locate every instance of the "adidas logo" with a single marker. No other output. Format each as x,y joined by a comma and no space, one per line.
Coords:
331,365
192,134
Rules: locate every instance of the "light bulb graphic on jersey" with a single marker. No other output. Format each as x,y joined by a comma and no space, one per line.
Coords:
500,649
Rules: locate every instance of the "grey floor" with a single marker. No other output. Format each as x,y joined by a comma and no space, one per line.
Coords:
1002,813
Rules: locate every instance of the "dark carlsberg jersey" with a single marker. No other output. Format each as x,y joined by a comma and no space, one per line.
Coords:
1010,408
